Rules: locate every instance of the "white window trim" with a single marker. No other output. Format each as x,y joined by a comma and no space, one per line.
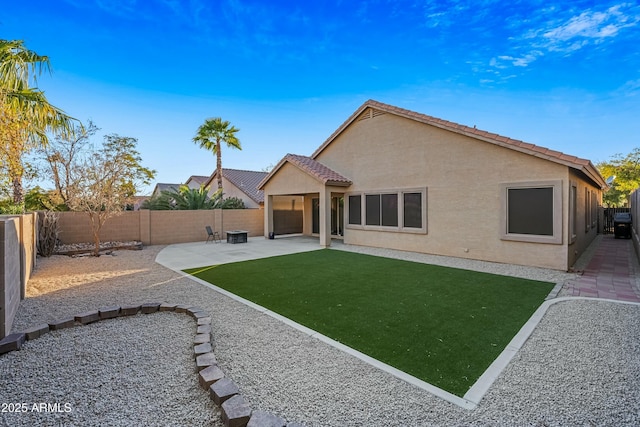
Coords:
400,227
556,238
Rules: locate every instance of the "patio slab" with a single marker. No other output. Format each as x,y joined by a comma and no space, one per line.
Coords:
199,254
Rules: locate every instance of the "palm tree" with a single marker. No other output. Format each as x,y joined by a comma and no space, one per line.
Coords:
211,135
186,198
26,108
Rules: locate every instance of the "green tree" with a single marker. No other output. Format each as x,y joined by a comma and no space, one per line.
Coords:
625,169
106,181
211,135
186,198
25,112
158,202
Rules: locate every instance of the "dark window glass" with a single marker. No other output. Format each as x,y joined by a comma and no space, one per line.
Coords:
390,210
530,211
412,210
372,209
355,210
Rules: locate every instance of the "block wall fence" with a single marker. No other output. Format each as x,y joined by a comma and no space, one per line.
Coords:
161,227
634,204
18,236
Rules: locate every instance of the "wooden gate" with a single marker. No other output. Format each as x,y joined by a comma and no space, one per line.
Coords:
607,226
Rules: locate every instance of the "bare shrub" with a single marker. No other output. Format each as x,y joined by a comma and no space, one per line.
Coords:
48,231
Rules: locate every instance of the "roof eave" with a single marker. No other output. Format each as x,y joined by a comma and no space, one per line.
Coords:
338,183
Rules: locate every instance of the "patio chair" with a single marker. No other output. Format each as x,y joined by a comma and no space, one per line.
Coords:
212,235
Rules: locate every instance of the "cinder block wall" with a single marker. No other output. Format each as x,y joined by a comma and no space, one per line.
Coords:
250,220
75,227
635,218
28,242
167,227
161,227
10,286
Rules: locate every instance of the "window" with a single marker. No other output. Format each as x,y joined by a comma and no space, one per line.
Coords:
412,217
587,210
372,207
381,209
355,209
573,204
594,210
532,212
390,210
400,210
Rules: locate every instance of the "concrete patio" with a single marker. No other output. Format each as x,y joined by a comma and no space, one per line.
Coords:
199,254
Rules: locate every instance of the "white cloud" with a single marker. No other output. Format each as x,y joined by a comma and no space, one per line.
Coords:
505,61
630,88
588,27
566,34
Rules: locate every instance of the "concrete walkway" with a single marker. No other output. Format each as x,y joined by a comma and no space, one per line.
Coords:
611,273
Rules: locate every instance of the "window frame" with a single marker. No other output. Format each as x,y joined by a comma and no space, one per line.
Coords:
557,206
400,214
594,209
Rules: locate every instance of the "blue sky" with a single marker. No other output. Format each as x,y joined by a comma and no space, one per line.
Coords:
564,75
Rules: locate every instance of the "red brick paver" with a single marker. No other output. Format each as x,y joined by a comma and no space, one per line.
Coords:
611,273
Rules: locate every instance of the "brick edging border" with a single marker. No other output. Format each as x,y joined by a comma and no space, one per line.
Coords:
235,410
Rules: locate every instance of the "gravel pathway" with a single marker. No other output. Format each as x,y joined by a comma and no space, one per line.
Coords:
580,366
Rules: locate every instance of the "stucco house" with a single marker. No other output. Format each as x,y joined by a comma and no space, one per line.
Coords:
393,178
161,186
196,181
242,184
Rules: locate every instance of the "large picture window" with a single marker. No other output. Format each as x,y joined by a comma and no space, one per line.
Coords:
532,212
403,210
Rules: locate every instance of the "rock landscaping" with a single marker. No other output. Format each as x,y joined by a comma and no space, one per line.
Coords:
236,412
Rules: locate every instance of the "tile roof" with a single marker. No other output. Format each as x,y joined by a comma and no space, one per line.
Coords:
247,181
165,187
583,165
198,179
313,168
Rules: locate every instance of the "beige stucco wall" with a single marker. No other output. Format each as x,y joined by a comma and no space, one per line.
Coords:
291,180
464,178
586,224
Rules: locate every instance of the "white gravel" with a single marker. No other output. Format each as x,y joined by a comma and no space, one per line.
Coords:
580,366
129,371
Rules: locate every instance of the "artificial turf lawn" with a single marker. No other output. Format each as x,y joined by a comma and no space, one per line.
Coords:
442,325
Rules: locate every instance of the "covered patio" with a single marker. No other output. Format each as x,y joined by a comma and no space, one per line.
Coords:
322,191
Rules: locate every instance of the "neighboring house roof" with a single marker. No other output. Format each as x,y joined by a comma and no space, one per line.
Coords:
165,187
313,168
247,181
198,179
574,162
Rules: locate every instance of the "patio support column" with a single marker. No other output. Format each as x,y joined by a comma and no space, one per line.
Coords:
325,217
268,215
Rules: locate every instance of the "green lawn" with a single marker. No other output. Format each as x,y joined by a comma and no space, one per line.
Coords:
442,325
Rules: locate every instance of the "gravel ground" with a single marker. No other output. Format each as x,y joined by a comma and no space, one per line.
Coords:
579,367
